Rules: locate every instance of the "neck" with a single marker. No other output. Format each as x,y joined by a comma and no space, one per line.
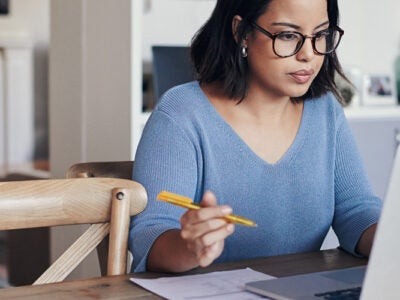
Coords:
256,107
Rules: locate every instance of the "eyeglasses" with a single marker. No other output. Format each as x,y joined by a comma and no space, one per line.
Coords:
288,43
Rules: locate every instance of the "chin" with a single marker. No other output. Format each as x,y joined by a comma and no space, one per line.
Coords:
298,94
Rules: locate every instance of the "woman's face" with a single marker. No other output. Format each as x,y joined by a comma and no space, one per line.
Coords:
290,76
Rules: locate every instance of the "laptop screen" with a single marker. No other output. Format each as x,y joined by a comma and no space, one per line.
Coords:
383,272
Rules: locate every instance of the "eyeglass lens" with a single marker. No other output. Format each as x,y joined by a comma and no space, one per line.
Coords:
289,43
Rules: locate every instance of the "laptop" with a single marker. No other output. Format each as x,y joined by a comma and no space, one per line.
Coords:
379,280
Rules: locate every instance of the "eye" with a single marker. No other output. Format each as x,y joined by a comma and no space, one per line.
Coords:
288,36
323,34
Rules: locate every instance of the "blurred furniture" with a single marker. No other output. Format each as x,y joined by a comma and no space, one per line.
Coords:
16,97
171,66
105,203
119,287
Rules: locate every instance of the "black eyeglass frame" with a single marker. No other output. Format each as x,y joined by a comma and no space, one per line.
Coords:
304,37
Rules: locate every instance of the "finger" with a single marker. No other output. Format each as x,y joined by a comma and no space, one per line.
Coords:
191,231
205,214
215,236
209,210
200,243
210,254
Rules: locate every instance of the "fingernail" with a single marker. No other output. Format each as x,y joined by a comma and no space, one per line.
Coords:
229,227
226,210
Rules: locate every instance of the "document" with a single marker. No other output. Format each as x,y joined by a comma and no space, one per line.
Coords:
215,285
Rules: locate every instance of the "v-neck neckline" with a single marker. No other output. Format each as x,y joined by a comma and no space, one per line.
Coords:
289,154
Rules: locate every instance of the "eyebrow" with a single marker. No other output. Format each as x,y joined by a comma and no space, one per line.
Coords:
297,27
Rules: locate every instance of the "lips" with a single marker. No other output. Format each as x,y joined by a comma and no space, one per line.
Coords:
302,76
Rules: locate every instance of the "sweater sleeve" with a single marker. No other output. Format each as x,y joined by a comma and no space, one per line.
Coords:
165,160
356,206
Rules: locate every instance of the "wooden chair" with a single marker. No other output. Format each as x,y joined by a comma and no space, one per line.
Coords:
105,203
108,169
112,169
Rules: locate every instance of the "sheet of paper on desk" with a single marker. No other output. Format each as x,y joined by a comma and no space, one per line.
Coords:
215,285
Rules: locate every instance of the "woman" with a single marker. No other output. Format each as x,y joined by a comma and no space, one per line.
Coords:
261,133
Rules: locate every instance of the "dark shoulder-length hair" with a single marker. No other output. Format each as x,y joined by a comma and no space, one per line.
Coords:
216,55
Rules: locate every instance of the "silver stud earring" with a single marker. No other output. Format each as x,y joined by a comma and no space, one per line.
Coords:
244,51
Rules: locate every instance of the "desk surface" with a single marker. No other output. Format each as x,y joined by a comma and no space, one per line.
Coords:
119,287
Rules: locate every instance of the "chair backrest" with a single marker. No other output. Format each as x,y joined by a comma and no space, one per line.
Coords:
109,169
112,169
171,66
105,203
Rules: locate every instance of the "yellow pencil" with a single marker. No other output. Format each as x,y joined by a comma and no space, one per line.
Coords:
186,202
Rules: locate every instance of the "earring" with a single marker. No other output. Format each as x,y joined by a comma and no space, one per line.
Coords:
244,52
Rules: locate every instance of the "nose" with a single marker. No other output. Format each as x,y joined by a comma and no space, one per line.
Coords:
306,52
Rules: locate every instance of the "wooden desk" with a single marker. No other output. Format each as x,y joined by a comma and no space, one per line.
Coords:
119,287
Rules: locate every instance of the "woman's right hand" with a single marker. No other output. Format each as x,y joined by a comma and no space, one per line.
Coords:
204,231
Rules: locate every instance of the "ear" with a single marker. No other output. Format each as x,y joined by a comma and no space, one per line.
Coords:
235,25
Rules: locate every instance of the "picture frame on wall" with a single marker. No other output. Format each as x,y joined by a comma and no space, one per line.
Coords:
379,89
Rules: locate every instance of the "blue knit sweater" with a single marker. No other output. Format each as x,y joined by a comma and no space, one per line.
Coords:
187,148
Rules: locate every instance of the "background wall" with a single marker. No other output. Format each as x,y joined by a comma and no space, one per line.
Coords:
33,17
177,26
372,34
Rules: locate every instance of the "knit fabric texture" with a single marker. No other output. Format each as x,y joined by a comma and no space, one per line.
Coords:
187,148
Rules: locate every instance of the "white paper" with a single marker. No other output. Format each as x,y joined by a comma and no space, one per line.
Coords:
215,285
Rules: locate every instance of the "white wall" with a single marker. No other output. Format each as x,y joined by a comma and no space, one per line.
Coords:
91,83
172,22
372,34
32,17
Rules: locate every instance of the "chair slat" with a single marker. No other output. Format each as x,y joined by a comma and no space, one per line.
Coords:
119,231
75,254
